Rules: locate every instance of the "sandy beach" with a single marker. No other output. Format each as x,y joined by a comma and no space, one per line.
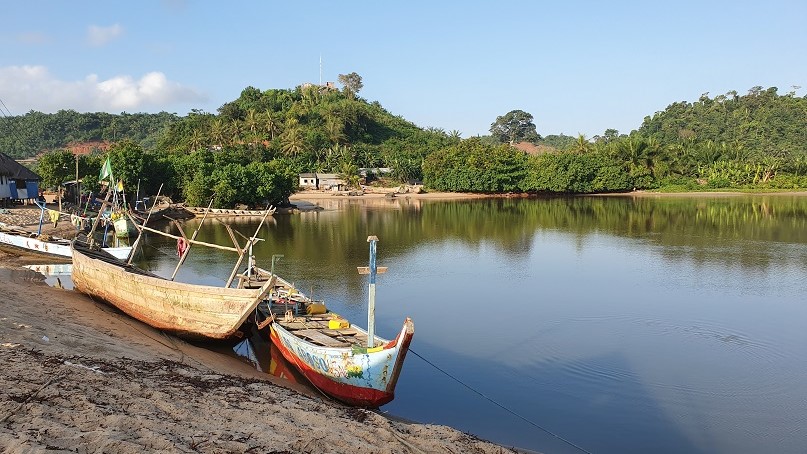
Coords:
79,376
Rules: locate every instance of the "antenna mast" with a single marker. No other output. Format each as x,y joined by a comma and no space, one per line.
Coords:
320,69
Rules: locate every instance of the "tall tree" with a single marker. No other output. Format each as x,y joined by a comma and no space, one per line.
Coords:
351,82
56,167
515,126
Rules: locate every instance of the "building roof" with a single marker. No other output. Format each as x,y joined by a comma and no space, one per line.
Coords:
14,170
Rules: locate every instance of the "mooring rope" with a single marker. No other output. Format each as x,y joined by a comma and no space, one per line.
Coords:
494,402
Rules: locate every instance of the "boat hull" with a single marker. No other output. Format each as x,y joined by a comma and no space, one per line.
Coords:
58,248
189,310
356,376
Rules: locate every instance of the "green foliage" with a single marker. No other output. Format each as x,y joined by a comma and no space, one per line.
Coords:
760,122
473,166
571,172
252,148
514,126
351,82
56,167
557,141
27,135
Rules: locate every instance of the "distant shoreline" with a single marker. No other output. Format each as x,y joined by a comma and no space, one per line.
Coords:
330,195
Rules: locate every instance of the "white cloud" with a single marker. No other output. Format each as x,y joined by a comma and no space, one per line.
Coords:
34,88
99,36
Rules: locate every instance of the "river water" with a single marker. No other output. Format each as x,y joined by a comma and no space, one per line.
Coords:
616,324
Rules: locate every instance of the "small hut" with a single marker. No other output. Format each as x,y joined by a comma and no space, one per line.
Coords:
17,182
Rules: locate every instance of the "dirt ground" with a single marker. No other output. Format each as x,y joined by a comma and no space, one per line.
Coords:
76,375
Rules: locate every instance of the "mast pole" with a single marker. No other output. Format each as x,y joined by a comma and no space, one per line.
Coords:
373,271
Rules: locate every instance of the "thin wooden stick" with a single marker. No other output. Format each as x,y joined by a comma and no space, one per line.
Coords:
139,230
196,232
250,242
201,243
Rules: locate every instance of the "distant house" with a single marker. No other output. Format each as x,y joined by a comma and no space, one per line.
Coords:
308,180
17,182
330,182
322,181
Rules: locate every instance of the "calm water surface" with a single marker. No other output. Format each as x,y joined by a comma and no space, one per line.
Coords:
623,325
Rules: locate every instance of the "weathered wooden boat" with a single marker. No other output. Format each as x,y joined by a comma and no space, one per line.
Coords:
155,209
338,363
345,362
20,240
221,212
188,310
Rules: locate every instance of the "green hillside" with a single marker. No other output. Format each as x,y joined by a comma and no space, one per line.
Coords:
750,142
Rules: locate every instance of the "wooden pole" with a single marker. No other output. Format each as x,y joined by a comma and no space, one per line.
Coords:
78,188
372,270
251,240
193,237
201,243
90,239
140,231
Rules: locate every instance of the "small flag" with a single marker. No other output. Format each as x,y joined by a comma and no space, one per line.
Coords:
106,170
120,186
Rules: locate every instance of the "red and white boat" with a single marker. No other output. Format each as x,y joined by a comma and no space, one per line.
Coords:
343,361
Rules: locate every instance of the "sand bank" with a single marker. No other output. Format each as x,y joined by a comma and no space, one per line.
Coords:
80,376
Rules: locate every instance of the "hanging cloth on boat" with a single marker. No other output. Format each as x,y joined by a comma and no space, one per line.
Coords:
182,246
54,217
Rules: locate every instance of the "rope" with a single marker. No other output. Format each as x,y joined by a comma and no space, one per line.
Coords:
536,425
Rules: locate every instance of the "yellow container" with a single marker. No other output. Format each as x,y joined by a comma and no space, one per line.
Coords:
338,324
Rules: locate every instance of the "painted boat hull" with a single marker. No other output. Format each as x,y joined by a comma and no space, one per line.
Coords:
359,377
188,310
57,248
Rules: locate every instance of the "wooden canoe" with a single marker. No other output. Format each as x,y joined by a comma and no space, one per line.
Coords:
188,310
225,212
351,373
335,360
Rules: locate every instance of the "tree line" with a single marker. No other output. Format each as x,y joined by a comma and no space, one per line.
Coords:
251,150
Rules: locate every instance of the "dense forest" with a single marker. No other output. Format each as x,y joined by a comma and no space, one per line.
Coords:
251,150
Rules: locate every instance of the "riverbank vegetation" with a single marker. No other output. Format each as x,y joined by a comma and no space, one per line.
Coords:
253,148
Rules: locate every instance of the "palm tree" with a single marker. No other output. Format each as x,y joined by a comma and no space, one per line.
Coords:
349,172
217,131
292,141
270,124
251,124
581,144
196,140
335,131
236,130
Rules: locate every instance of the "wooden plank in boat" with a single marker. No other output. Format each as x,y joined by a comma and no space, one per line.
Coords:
340,332
320,338
301,324
293,326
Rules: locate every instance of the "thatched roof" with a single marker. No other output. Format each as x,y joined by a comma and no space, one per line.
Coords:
14,170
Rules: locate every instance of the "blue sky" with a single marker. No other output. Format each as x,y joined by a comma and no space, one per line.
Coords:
576,66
